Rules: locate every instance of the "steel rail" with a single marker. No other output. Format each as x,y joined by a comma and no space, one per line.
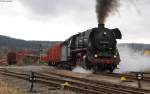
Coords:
81,85
112,85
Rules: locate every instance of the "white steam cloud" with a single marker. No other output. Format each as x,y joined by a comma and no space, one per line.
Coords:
80,69
132,61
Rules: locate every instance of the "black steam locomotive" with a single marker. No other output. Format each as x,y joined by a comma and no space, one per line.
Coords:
95,49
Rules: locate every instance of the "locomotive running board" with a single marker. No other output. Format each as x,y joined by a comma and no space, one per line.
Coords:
78,50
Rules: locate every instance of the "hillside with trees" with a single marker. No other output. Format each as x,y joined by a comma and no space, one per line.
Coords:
8,43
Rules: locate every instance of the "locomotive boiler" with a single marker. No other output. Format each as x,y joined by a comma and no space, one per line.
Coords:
96,49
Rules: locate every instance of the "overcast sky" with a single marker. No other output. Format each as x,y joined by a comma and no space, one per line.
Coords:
58,19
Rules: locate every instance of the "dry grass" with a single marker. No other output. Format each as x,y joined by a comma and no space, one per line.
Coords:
9,89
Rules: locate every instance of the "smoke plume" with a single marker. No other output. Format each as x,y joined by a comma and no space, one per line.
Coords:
104,8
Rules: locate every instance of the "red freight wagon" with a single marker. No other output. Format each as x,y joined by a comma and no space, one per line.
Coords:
11,58
54,54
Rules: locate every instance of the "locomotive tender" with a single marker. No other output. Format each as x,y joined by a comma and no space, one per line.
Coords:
96,49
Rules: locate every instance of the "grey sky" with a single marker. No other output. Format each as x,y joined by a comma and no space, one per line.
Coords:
59,19
75,10
57,7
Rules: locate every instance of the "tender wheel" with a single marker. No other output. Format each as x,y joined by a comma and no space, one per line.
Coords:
64,65
88,64
49,63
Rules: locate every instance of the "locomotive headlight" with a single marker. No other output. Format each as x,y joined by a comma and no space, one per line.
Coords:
96,56
105,33
115,56
84,56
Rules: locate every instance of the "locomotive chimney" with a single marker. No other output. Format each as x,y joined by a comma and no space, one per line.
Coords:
101,26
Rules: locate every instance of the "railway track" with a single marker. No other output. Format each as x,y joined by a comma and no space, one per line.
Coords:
130,76
113,88
3,60
44,80
80,85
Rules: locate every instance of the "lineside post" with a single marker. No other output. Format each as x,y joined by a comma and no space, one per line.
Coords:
32,79
139,77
